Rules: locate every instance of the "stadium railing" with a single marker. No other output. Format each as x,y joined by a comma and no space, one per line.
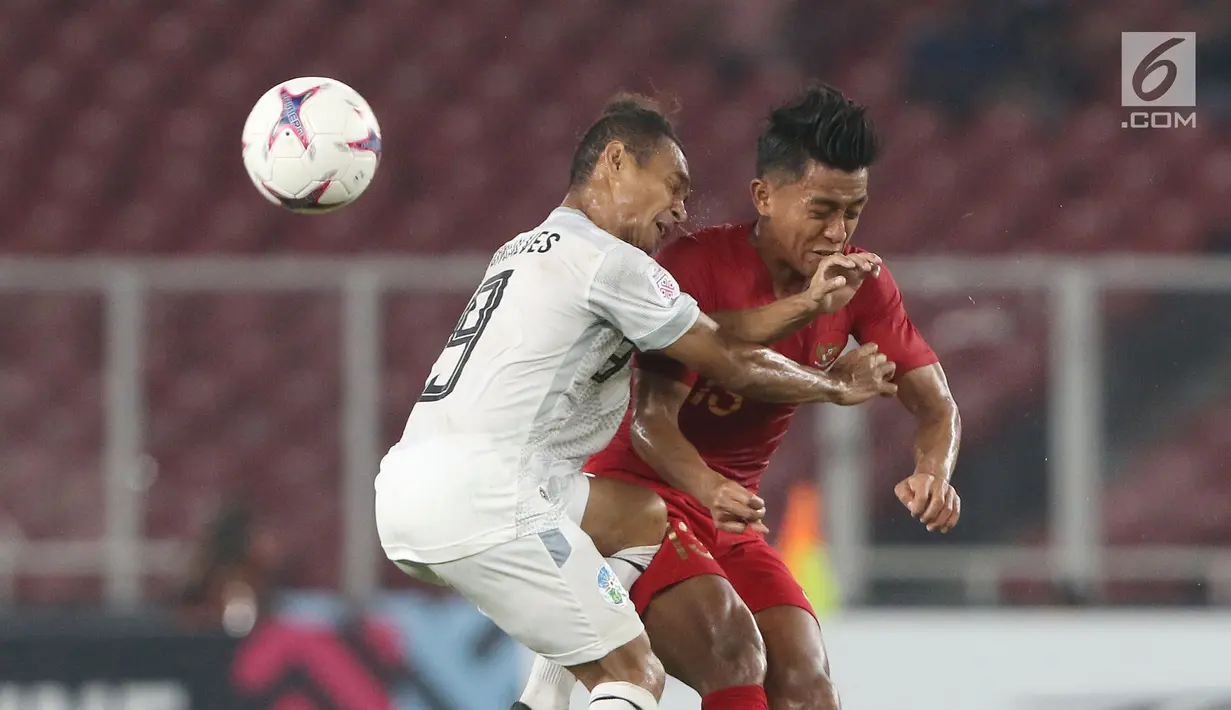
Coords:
1072,289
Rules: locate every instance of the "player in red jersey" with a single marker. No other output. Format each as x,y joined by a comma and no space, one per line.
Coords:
721,608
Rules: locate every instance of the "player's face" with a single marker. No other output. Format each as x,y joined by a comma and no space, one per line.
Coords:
810,218
649,196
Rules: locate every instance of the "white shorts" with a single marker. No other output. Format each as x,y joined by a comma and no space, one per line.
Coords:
553,592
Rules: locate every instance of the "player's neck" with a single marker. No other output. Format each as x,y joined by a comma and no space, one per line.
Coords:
587,201
787,281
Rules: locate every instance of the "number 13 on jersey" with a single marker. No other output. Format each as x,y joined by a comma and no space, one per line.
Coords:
448,369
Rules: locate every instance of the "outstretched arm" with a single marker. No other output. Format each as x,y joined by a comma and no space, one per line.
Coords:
766,325
833,286
760,373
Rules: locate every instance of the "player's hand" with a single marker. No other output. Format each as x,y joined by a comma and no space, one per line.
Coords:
867,373
931,499
735,509
838,277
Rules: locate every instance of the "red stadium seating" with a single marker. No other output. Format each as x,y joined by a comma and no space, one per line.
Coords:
120,137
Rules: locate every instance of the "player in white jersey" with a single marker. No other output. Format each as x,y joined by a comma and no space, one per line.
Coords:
534,378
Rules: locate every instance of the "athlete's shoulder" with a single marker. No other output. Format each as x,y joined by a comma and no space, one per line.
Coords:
576,225
876,293
567,236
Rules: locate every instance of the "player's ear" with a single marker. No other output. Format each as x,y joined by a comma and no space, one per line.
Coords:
615,155
760,195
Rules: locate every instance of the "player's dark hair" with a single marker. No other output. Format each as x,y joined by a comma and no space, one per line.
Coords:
634,120
820,124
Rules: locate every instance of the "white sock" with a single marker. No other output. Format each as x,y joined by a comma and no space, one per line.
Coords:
549,687
621,696
629,563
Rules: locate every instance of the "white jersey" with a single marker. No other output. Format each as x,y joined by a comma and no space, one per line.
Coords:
533,380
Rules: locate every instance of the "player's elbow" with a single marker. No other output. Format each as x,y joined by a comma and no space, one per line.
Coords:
954,416
940,415
941,407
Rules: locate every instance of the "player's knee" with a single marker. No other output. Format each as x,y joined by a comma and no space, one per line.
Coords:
653,519
634,663
644,517
644,671
621,515
802,684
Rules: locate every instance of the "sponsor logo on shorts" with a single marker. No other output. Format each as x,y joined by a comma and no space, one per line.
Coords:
610,588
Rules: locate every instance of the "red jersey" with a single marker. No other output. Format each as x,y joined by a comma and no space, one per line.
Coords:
735,436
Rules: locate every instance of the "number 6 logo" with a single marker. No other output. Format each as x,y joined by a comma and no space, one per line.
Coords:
1158,69
1151,63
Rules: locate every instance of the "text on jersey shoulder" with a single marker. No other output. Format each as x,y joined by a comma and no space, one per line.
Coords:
531,242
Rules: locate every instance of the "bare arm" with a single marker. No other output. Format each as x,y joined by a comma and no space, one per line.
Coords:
938,433
833,286
927,493
657,439
766,325
761,373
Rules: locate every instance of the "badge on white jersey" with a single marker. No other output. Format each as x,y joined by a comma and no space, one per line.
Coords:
665,284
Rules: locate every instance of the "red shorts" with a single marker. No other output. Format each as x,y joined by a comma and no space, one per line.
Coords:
694,547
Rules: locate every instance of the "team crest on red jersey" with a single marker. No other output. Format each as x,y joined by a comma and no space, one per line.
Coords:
826,354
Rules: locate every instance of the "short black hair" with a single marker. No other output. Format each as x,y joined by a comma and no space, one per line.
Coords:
634,120
820,124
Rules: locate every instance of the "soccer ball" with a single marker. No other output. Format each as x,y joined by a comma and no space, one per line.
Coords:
311,145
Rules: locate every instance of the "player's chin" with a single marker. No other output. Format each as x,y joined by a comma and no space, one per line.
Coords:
811,262
652,238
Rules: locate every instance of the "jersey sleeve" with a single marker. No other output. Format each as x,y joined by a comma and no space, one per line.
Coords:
880,317
692,272
641,299
685,259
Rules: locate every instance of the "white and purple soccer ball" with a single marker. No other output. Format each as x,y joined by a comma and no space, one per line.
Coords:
311,144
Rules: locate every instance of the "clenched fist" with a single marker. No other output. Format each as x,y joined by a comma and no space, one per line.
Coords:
735,508
867,372
931,499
